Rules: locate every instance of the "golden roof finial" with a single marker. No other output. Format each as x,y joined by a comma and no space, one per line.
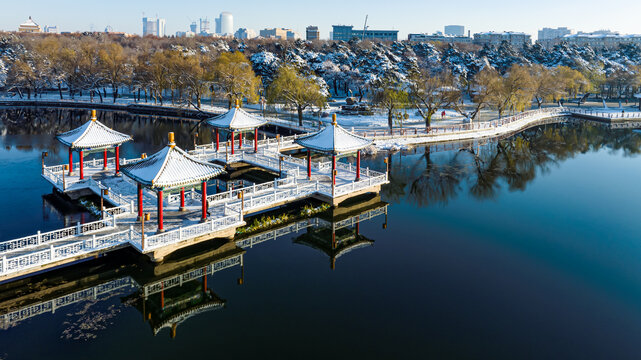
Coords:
171,140
93,115
237,104
334,119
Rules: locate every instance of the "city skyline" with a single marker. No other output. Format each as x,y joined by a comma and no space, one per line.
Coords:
493,16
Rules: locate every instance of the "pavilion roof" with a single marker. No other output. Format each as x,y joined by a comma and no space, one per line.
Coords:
92,135
333,139
169,168
236,119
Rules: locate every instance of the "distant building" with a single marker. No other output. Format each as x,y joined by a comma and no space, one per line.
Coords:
204,27
225,24
29,26
455,30
312,33
603,39
279,33
244,33
347,33
185,34
516,39
439,38
153,26
193,27
51,29
549,33
161,27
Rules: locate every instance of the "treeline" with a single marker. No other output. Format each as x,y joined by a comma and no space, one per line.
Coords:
186,70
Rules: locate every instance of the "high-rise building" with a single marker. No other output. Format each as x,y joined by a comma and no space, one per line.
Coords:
347,33
29,26
244,33
226,21
193,27
204,27
160,27
312,33
455,30
548,33
153,26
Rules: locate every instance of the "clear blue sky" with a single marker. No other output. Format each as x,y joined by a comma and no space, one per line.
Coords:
403,15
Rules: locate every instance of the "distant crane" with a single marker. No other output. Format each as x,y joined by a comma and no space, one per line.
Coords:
364,28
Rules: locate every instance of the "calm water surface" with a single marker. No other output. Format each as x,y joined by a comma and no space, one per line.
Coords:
526,247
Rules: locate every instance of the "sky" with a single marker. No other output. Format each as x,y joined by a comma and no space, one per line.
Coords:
403,15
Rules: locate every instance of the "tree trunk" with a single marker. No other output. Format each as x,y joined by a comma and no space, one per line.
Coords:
60,90
29,93
198,100
100,95
300,115
335,87
115,92
390,118
104,91
428,119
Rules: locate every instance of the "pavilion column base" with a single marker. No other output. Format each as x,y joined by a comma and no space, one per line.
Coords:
139,218
160,231
182,209
204,220
104,168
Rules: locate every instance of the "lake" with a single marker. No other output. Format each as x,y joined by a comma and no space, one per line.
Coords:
524,247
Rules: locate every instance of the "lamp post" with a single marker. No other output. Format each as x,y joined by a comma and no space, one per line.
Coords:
42,158
241,196
64,170
103,193
143,218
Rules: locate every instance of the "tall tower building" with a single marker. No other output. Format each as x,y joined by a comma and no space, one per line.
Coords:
225,24
193,27
160,27
205,28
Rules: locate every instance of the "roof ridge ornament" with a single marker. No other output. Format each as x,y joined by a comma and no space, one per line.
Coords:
171,143
334,119
237,105
93,115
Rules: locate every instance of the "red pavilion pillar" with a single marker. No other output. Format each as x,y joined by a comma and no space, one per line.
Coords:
82,174
309,164
182,199
160,219
256,140
232,142
358,165
70,161
117,160
140,202
204,198
104,159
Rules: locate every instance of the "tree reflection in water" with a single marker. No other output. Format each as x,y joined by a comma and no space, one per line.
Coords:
512,163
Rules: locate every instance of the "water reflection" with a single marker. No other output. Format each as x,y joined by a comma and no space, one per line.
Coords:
168,294
482,169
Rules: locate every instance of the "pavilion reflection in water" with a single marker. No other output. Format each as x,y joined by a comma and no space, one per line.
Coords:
170,293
